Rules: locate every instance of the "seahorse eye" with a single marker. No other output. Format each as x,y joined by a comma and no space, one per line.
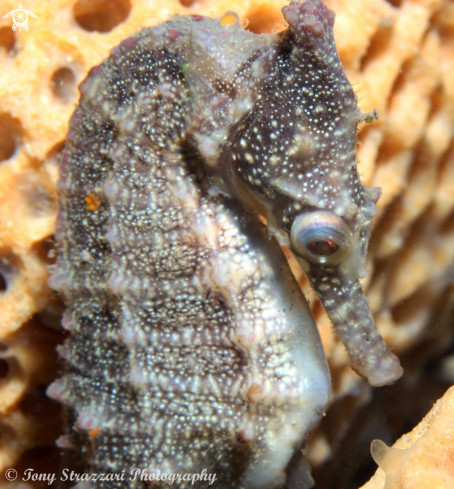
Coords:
321,237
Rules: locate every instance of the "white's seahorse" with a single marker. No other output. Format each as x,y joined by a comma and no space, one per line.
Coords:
192,346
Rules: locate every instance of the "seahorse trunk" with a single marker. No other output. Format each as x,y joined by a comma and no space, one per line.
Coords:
192,347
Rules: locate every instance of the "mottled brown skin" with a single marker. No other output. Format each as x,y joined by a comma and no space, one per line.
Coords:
192,346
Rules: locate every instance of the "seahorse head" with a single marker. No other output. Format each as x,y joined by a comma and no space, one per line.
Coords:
295,158
277,130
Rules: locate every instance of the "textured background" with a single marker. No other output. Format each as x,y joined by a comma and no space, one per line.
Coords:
400,57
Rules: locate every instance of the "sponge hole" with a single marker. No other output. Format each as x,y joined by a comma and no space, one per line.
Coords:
36,403
395,3
3,284
63,84
379,44
101,15
8,271
4,368
264,20
45,250
55,153
10,132
7,39
187,3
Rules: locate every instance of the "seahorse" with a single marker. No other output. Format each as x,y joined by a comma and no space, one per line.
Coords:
196,149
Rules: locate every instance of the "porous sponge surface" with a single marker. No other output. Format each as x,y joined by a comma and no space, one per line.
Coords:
400,57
